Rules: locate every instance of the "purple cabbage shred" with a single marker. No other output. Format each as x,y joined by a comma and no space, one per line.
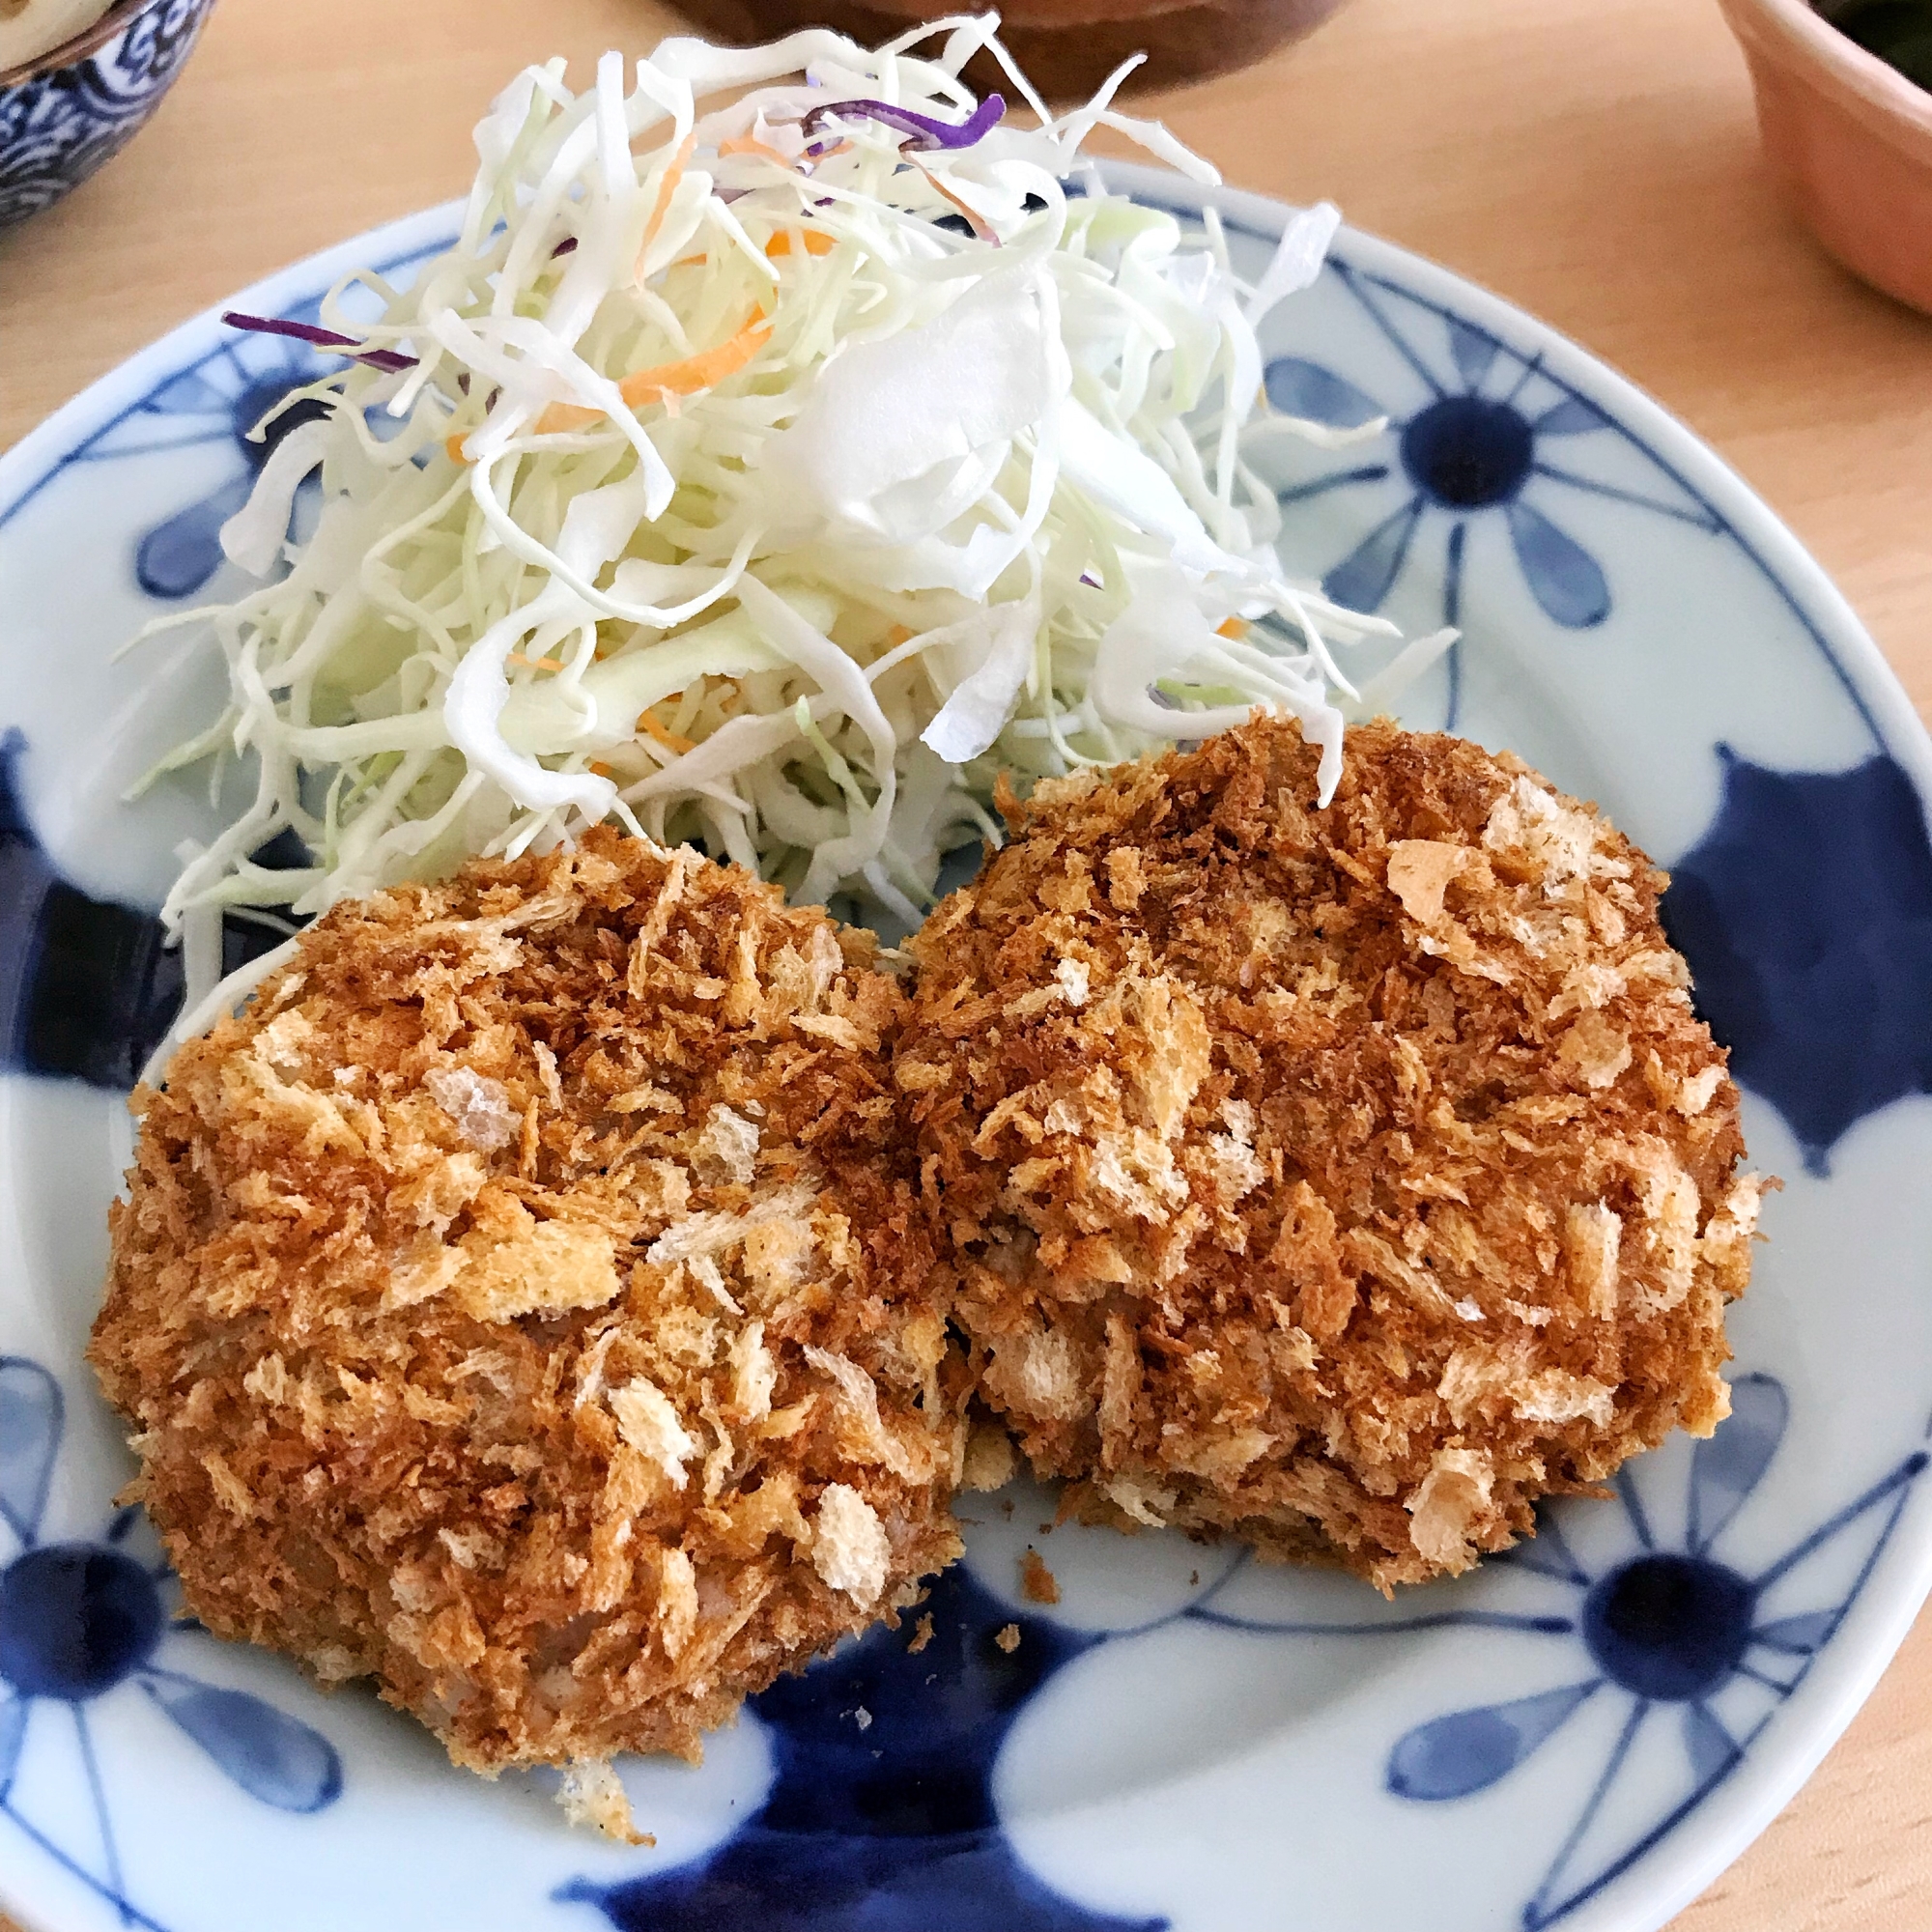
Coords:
920,130
320,338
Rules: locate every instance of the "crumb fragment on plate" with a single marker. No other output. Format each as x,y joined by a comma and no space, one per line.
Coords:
591,1793
1037,1583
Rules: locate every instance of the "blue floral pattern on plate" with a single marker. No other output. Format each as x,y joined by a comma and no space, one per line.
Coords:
229,402
82,1620
1473,438
1664,1626
880,1816
1807,908
220,398
1803,901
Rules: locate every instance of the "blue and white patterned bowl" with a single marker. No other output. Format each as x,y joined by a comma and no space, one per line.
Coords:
66,114
1583,1734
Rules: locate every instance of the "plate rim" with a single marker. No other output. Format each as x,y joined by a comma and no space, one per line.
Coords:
1681,1866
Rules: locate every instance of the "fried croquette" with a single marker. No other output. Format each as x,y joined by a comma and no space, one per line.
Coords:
526,1302
1344,1179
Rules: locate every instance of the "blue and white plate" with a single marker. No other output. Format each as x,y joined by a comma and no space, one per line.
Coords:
1582,1734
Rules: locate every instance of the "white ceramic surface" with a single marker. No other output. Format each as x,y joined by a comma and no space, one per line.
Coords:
1584,1734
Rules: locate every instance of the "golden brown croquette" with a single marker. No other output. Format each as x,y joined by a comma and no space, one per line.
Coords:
1342,1179
526,1302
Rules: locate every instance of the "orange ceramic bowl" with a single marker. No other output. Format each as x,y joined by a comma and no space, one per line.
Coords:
1850,140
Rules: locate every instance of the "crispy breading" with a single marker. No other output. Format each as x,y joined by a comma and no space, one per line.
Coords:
526,1302
1345,1180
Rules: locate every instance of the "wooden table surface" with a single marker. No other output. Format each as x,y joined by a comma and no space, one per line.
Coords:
1594,160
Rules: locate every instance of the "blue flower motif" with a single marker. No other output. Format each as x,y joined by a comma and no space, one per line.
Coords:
1806,912
82,1621
217,400
1663,1629
880,1815
1471,438
220,401
91,984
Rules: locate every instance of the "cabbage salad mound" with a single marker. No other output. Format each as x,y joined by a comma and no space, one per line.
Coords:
788,443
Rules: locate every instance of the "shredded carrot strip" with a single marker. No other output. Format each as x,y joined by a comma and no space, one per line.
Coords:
453,446
598,766
666,188
702,371
1236,628
974,218
667,380
536,663
670,740
816,241
749,144
899,634
562,416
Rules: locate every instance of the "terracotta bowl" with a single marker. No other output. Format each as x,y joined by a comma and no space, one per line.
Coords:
78,105
1850,140
1067,48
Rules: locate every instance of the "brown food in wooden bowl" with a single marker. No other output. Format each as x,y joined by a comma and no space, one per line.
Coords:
1066,47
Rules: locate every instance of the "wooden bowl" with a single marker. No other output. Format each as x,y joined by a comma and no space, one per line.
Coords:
1067,48
1850,140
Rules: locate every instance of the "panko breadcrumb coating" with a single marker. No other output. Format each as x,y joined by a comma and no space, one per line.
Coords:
1344,1179
526,1302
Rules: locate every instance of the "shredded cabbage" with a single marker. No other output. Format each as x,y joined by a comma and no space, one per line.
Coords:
769,477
